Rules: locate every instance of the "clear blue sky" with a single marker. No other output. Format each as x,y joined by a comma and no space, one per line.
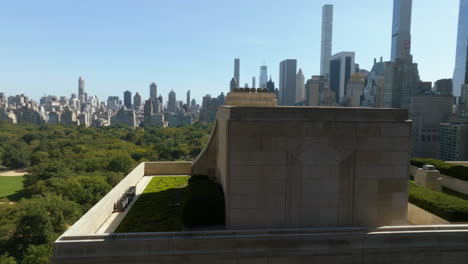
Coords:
122,45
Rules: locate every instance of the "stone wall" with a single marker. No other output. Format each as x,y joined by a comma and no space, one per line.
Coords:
419,216
168,168
205,163
251,99
90,222
313,167
409,244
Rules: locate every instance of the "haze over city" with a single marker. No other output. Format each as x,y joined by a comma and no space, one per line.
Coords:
186,45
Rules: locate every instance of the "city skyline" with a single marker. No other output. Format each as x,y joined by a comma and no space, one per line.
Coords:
54,69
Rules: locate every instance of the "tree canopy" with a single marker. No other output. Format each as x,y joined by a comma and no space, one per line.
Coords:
70,169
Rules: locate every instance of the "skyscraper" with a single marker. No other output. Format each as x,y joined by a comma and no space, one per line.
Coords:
237,71
271,86
462,42
232,84
287,79
81,90
128,99
341,68
188,100
327,36
153,91
253,82
263,79
401,29
300,86
315,90
171,104
137,101
444,86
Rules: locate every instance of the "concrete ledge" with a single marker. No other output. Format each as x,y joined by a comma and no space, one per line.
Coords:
316,114
419,216
93,220
168,168
358,245
90,222
455,184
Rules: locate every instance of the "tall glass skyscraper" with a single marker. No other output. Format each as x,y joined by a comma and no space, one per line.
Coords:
327,36
462,42
263,76
287,82
401,29
237,72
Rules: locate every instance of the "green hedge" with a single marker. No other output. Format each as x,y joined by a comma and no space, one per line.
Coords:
448,207
204,203
453,170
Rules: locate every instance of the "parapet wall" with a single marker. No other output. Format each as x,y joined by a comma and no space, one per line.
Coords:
403,245
90,222
168,168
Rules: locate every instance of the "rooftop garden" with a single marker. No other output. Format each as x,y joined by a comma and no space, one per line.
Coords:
174,204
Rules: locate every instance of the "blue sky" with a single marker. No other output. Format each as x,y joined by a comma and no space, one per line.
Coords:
119,45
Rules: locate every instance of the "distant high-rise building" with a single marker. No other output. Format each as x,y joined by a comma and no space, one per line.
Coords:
81,90
401,29
444,86
263,79
427,112
113,103
342,66
463,104
153,91
374,90
188,100
253,83
137,101
128,99
232,85
237,71
270,86
355,90
300,86
327,36
461,55
171,104
287,79
401,83
315,90
125,117
453,141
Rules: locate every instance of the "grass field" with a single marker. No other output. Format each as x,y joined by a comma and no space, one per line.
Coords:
159,207
9,186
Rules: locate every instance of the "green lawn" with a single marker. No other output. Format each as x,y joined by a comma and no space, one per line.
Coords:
10,186
159,207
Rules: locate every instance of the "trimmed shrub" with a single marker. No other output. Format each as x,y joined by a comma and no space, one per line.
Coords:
204,203
448,207
452,170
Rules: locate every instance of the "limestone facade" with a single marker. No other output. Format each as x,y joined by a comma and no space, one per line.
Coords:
295,167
